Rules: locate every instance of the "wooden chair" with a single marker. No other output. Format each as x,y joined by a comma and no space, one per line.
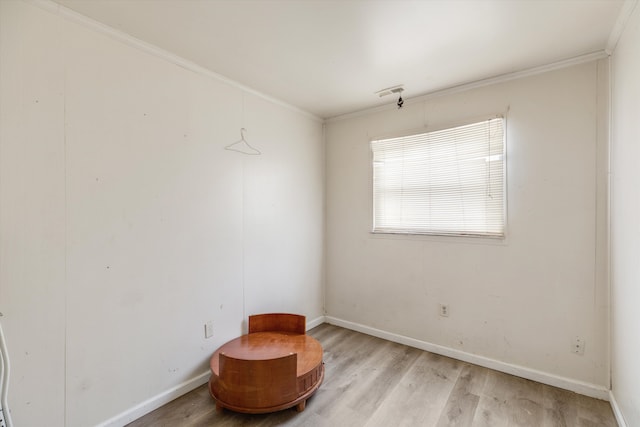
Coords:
256,386
280,322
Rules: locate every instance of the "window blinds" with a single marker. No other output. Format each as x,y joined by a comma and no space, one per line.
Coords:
446,182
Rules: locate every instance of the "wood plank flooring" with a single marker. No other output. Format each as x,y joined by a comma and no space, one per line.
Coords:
372,382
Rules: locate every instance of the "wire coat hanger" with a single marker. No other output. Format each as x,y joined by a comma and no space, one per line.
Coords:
242,146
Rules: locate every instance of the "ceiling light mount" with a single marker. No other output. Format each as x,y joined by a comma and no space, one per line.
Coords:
393,90
390,90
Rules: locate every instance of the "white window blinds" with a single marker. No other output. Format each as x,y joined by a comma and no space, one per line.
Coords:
446,182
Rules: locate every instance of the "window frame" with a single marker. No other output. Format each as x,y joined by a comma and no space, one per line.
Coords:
501,238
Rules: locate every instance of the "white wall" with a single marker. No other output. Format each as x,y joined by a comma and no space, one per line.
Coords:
625,224
520,301
125,224
32,213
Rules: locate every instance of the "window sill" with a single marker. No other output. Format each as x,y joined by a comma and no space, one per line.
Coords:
442,238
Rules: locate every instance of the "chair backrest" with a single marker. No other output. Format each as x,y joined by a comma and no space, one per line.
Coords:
282,322
257,384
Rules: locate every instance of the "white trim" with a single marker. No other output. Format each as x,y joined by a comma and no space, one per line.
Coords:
125,38
149,48
155,402
616,410
594,56
587,389
608,226
316,322
621,22
165,397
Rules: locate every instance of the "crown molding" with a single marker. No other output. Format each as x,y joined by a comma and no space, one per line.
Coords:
565,63
149,48
618,28
73,16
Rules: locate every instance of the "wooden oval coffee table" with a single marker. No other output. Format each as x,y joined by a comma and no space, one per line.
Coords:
266,372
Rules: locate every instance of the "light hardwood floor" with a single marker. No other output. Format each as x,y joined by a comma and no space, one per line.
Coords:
372,382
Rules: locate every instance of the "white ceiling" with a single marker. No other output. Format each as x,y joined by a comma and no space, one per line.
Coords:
329,57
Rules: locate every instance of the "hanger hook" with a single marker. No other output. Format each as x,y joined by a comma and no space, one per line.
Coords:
241,146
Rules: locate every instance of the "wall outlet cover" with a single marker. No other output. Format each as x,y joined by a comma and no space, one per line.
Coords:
208,329
444,310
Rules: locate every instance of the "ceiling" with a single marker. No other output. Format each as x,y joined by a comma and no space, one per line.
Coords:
329,57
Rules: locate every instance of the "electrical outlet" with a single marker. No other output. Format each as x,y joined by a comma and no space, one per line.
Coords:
208,329
578,346
444,310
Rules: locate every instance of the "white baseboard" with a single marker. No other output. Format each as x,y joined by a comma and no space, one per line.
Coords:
587,389
165,397
616,410
316,322
155,402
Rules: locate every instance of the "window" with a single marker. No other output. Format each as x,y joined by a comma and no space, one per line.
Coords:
445,182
